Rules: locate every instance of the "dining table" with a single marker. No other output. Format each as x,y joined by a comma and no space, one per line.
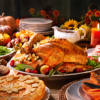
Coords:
59,86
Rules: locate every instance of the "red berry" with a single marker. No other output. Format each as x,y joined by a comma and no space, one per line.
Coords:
91,58
17,40
77,70
96,60
12,62
27,70
62,71
81,70
26,37
33,71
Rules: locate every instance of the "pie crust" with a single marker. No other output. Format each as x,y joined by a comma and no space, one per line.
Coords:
21,87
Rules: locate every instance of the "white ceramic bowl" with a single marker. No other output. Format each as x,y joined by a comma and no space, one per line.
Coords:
35,24
9,55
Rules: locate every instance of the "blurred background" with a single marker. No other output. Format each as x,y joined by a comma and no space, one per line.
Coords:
71,9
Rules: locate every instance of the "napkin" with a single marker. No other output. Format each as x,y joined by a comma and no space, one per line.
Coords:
94,93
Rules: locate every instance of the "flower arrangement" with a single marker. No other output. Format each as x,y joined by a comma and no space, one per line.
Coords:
32,11
48,13
70,25
91,18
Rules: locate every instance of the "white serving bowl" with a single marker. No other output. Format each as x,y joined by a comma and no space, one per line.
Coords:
9,55
36,24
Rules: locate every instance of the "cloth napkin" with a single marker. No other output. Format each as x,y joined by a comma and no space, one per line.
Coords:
94,93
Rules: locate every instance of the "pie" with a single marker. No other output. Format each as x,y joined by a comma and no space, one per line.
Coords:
21,87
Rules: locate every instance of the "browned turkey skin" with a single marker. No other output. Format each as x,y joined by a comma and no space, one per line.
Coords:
53,51
69,67
60,50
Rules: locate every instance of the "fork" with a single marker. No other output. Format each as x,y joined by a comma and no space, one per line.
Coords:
97,78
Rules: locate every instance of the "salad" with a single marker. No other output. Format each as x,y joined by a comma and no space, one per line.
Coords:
4,50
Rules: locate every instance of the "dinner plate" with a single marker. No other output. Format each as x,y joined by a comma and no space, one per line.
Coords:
83,94
72,91
36,21
36,24
47,32
47,94
7,55
56,76
89,51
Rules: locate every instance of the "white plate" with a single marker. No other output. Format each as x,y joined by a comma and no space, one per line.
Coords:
55,76
36,21
89,51
72,91
46,32
47,94
7,55
84,94
36,24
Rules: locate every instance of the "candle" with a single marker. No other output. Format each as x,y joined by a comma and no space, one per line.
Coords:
95,36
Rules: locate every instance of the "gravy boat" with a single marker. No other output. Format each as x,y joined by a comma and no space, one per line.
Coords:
70,35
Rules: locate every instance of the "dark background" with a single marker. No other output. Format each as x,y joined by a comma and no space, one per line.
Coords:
72,9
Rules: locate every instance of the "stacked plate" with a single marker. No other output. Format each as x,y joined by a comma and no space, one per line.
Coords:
38,25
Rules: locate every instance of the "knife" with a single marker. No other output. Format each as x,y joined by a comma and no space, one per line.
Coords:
91,85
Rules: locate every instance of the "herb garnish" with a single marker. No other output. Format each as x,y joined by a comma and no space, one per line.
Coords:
93,61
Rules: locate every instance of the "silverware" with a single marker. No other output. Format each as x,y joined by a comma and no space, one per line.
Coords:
91,85
97,78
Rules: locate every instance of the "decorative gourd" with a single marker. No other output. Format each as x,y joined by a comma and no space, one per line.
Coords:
6,29
8,20
4,39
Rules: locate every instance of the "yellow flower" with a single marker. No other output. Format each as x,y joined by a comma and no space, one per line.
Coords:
71,24
31,10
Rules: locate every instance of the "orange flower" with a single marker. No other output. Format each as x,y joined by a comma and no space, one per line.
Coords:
17,22
55,17
31,10
97,13
50,12
94,10
51,18
87,20
47,16
55,13
89,13
55,22
62,20
43,12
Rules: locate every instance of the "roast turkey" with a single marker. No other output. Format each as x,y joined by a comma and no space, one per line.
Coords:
53,51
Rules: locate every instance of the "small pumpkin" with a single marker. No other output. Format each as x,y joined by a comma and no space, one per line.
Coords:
6,29
8,20
4,39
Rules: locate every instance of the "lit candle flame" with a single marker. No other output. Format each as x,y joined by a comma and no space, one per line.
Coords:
98,26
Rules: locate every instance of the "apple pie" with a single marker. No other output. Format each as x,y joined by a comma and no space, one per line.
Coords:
20,87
